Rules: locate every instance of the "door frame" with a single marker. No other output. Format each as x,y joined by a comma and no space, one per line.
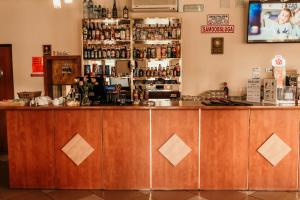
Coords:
12,66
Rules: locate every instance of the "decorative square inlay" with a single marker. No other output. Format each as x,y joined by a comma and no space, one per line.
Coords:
274,149
175,150
77,149
92,197
197,198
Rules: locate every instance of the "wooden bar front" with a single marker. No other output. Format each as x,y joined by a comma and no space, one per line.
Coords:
123,146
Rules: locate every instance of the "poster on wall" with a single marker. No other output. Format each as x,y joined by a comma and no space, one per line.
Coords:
217,23
37,66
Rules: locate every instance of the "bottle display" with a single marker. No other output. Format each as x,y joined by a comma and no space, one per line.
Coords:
158,72
98,11
157,31
95,30
157,52
106,52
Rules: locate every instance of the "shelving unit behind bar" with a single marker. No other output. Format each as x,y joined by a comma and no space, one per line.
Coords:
109,47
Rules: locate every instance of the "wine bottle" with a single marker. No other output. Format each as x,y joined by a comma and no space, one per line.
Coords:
114,10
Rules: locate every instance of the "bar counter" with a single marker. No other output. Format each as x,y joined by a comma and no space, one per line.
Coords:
183,145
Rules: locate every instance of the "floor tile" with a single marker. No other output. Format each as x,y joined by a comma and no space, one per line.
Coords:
247,192
197,198
121,195
47,191
35,195
275,195
222,195
172,195
69,194
91,197
6,193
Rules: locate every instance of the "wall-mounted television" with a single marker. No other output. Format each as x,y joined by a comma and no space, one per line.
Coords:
273,22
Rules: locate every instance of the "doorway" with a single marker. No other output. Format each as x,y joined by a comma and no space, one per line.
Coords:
6,88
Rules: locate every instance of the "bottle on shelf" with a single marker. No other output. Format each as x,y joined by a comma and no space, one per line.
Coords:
90,5
125,13
85,9
114,10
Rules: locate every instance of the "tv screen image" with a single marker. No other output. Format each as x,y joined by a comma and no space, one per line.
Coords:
273,22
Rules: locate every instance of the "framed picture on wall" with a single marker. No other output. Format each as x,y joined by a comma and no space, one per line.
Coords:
47,50
217,45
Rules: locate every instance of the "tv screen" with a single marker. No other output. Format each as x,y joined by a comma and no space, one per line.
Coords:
273,22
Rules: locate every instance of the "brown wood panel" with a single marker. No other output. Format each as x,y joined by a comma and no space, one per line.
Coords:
165,123
3,132
262,175
126,148
224,149
6,65
31,149
87,124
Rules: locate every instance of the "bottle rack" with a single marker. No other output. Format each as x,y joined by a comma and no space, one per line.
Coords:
151,45
157,56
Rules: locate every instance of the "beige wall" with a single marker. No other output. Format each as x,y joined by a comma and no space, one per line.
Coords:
28,24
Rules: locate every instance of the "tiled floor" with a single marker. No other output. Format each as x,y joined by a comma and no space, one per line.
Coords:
6,193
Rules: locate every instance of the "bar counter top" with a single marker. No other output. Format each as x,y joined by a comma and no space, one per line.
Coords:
185,105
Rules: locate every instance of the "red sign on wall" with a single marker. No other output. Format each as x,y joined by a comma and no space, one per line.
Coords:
217,29
37,66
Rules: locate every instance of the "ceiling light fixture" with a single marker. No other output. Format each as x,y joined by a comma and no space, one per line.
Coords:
56,3
68,1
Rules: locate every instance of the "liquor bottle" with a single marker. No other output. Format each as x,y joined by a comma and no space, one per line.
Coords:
155,72
97,32
174,32
127,34
123,52
169,51
158,52
90,5
104,55
118,52
104,14
128,53
178,70
163,52
92,53
141,73
114,10
113,52
178,53
89,35
99,53
85,52
99,12
125,12
113,34
174,52
85,9
159,73
96,52
178,31
108,13
123,33
108,53
93,31
85,31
